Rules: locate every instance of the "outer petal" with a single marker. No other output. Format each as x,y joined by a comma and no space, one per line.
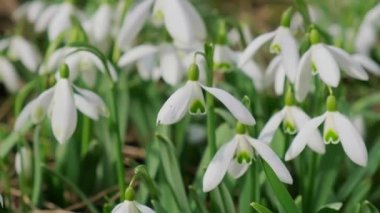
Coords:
367,63
125,207
303,78
42,104
289,52
9,76
94,100
303,136
279,81
352,142
24,116
103,20
133,23
219,165
366,38
175,108
237,109
326,65
64,114
145,67
272,159
271,70
143,208
254,72
350,66
301,118
61,21
137,53
236,169
254,46
267,133
171,66
45,18
26,53
197,22
86,107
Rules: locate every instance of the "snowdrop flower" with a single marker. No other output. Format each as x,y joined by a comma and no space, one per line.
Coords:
283,43
255,73
29,11
234,35
23,162
130,205
23,50
236,156
337,128
324,60
181,20
293,120
155,61
189,98
9,76
367,34
81,63
224,57
367,63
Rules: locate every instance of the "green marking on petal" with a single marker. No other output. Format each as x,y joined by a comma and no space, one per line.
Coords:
314,69
197,107
243,157
224,66
331,137
275,48
289,127
39,113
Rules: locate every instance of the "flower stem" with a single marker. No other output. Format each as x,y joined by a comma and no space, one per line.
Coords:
303,9
37,179
86,127
209,55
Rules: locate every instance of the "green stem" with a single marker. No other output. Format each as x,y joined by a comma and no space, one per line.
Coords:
86,127
22,178
310,187
37,179
79,192
209,55
118,144
303,9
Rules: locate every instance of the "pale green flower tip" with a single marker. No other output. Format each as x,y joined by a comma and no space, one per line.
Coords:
64,71
240,128
130,194
193,72
289,98
287,17
314,36
331,103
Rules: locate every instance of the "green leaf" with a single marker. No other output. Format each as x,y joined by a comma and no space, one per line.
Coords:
331,208
260,208
279,189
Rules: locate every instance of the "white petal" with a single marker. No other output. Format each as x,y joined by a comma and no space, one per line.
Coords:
367,63
103,20
279,81
133,23
24,116
254,46
304,135
289,51
301,118
42,104
145,67
143,208
175,108
61,21
271,70
219,165
137,53
9,76
238,110
86,107
64,114
182,22
352,142
34,11
171,66
267,133
236,169
326,65
350,66
366,38
25,52
269,156
94,100
126,207
304,77
254,72
45,18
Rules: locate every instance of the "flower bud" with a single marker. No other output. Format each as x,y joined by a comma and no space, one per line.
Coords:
331,103
64,71
287,17
193,72
130,194
240,128
314,36
289,99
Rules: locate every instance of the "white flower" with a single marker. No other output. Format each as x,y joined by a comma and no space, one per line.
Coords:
189,98
9,76
224,57
81,63
283,43
131,207
234,35
367,34
23,50
181,20
64,105
255,73
293,120
29,11
155,61
325,60
235,157
337,128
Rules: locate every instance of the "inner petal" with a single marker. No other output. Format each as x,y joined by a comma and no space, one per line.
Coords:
244,151
330,135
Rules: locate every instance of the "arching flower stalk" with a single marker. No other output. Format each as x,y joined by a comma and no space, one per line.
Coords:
236,156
